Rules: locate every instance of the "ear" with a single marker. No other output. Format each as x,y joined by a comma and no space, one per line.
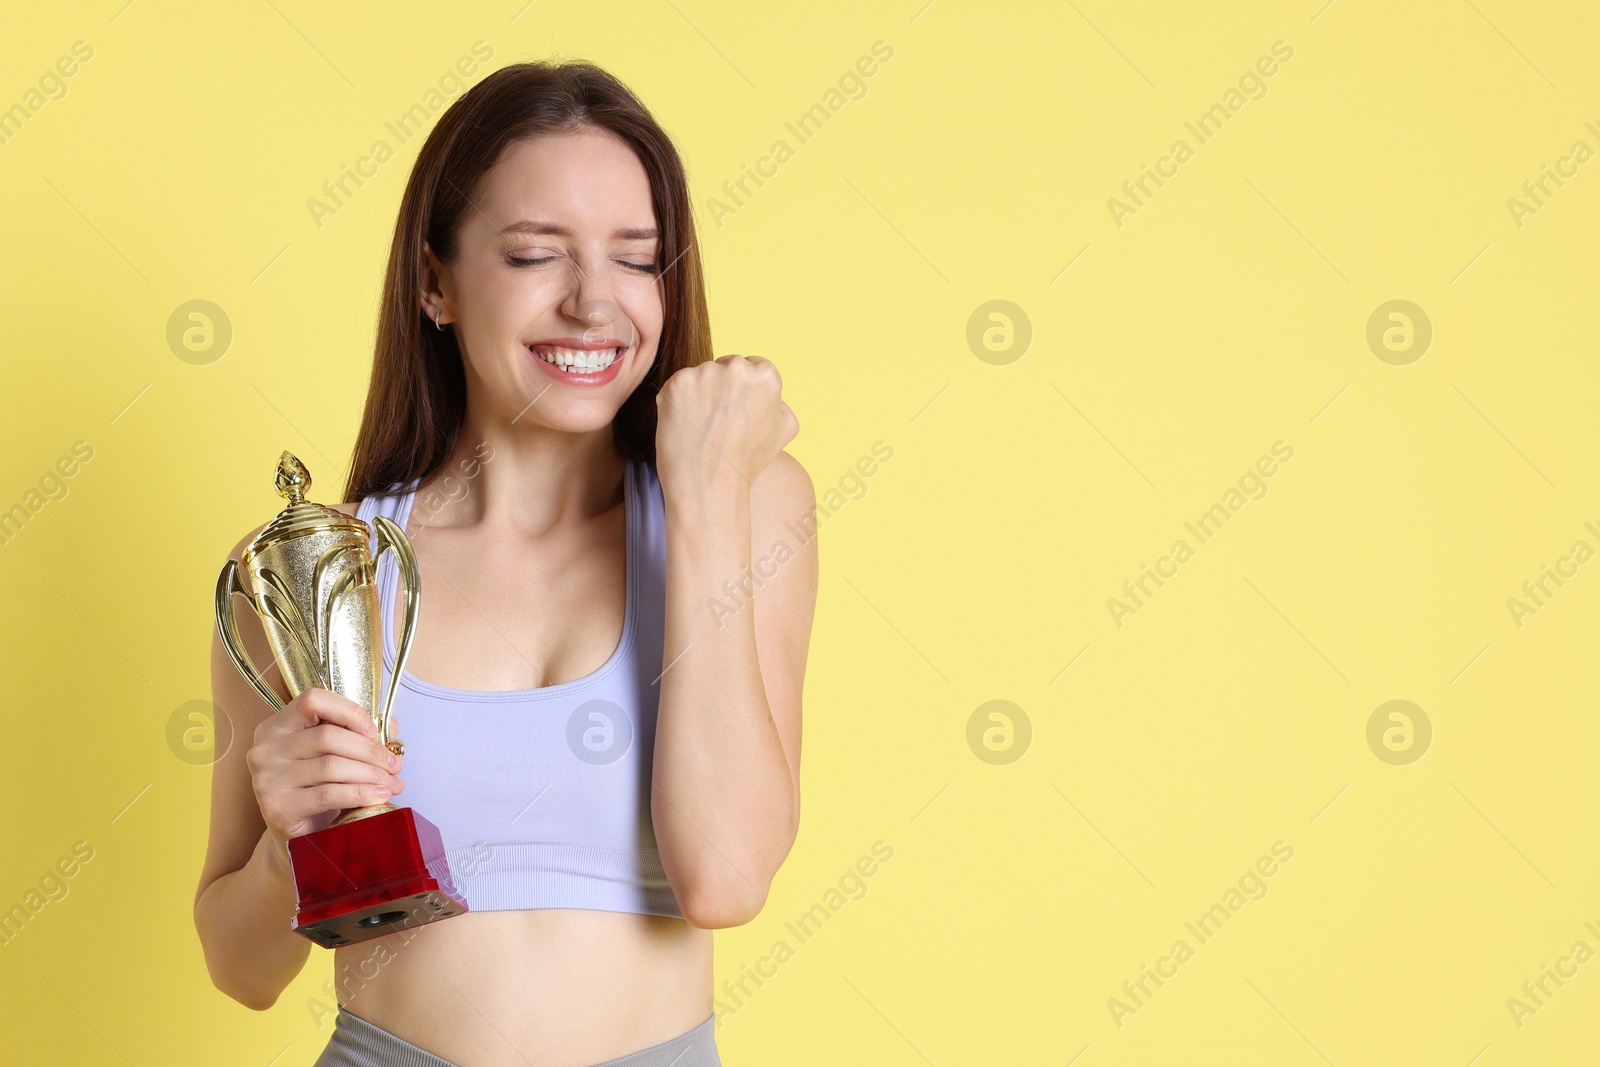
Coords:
434,287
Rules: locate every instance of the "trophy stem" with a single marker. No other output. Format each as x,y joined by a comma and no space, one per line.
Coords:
361,813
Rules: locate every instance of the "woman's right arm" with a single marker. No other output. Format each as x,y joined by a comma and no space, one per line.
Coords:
314,758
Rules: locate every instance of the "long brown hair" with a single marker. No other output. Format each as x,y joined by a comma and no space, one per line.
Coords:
417,398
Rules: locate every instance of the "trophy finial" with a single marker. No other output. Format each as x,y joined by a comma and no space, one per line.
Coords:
293,480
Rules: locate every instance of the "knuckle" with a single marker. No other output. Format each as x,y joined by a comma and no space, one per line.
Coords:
327,766
325,701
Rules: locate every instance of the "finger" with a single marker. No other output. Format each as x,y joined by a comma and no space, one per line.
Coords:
767,367
330,769
318,705
328,739
331,796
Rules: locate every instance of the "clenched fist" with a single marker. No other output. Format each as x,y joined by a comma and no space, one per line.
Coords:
721,419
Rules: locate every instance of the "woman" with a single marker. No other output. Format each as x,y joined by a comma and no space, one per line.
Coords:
602,702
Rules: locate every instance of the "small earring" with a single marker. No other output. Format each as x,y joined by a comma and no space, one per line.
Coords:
436,319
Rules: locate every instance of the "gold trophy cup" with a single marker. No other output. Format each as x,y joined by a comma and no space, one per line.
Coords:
378,868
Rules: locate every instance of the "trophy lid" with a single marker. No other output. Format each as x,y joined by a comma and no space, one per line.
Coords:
302,516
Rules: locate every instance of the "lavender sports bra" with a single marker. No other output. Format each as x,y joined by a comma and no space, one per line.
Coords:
542,796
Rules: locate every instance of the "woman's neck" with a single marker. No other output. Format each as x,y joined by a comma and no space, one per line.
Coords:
524,477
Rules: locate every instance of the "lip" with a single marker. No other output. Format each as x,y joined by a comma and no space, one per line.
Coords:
596,378
578,344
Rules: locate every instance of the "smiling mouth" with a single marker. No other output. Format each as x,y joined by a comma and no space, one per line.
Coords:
577,360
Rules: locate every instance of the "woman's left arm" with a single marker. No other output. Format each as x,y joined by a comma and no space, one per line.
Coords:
741,590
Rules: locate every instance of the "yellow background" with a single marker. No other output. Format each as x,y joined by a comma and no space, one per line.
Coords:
1229,313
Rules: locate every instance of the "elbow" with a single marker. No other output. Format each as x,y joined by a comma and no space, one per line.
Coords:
236,986
258,1002
255,1000
715,892
253,997
717,907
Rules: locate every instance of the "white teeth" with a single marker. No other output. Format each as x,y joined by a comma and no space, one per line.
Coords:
576,360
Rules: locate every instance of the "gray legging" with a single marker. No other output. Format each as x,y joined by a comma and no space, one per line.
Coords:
359,1043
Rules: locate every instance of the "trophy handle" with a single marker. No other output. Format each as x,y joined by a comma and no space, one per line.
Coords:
228,627
392,538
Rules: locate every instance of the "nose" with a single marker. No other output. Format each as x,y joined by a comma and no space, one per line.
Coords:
588,301
588,295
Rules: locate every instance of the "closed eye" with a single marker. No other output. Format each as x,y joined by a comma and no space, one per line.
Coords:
521,261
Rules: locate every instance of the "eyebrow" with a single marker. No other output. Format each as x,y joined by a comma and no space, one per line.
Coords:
536,227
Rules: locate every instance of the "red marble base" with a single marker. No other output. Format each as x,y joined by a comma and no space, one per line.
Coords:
371,877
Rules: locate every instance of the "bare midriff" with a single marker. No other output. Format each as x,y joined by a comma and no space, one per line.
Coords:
556,987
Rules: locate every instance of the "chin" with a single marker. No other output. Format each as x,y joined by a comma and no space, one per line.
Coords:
573,418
